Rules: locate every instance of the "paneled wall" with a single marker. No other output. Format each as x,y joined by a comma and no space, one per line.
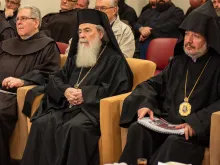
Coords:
47,6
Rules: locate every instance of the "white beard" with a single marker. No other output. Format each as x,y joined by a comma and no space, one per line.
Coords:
87,55
200,52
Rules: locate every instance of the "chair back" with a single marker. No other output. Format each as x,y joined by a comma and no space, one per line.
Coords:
160,50
62,47
63,58
142,70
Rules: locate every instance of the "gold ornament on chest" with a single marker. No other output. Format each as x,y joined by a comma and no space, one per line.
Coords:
185,107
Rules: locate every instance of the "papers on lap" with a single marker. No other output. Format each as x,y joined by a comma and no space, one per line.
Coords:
160,125
172,163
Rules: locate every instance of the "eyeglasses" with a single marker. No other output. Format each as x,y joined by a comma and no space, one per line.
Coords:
23,19
102,8
12,2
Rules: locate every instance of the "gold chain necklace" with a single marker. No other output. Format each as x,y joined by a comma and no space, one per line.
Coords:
76,86
185,107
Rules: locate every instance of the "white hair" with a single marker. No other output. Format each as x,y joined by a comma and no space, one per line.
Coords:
35,13
105,36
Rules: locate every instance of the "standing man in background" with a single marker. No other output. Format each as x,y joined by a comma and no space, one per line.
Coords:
150,5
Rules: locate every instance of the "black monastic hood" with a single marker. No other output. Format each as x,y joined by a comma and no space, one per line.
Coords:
204,20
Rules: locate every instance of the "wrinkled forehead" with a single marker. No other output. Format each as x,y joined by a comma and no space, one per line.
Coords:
24,12
87,26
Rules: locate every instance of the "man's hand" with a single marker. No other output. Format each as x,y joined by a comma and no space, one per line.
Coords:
12,82
188,131
9,12
74,96
143,111
145,31
142,38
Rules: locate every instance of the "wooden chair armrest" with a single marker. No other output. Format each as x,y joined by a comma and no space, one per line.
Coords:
215,139
110,129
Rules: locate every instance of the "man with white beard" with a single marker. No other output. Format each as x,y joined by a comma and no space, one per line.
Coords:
186,93
65,129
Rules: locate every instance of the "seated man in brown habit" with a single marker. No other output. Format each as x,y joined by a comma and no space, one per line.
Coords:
66,127
24,60
186,93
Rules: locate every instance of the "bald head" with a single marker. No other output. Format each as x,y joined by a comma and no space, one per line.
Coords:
196,3
82,4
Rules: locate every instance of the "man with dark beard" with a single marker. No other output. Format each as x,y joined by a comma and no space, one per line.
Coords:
6,31
65,130
24,60
161,22
127,13
150,5
59,26
190,80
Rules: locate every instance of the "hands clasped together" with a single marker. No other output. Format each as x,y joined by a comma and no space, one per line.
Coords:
74,96
11,82
145,33
188,130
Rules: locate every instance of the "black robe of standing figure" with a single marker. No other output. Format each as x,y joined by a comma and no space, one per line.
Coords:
6,31
127,13
163,94
63,135
30,60
60,26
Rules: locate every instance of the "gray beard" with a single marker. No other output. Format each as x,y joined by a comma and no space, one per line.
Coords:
203,50
218,12
87,55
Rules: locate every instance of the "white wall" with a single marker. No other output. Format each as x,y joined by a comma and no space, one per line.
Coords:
47,6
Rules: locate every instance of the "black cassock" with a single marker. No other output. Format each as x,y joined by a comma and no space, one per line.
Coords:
163,24
11,20
30,60
163,94
66,135
6,31
60,26
127,13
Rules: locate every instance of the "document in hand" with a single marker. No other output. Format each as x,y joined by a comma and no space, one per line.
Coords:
160,125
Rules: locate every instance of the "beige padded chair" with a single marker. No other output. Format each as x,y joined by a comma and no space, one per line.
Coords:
22,128
114,137
142,70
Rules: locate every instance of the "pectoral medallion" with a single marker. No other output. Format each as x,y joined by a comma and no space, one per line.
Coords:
185,108
76,86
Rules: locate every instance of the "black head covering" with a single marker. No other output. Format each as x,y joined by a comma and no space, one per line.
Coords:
94,17
98,18
204,20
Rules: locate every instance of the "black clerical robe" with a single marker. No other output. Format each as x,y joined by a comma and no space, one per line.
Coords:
163,24
127,13
11,20
163,94
30,60
60,26
66,135
6,31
